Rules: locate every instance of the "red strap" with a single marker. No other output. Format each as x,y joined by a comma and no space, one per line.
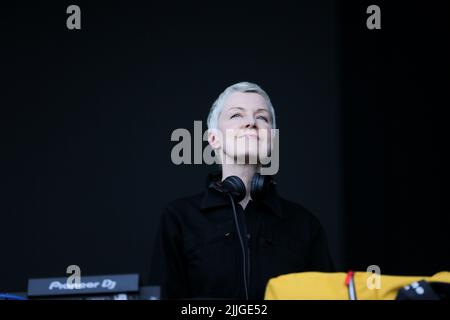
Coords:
349,277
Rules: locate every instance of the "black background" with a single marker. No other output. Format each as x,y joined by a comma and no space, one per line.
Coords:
86,119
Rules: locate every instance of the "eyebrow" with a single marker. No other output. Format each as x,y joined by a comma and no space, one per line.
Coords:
240,108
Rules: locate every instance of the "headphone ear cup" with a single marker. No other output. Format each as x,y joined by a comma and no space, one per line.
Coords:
235,186
259,185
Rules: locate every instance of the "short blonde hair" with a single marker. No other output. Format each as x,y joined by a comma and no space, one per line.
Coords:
217,107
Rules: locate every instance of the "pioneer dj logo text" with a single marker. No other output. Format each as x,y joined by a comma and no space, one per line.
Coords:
106,283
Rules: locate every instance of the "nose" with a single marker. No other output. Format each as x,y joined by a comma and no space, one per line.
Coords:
250,122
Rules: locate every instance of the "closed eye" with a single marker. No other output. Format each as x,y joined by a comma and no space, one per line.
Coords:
264,118
235,115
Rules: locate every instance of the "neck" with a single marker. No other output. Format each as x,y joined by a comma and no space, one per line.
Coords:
245,172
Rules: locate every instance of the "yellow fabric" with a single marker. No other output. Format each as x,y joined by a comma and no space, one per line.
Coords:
331,286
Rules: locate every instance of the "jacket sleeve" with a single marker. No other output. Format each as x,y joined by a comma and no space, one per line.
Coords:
168,264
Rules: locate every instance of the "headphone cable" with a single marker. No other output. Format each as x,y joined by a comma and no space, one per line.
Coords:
244,255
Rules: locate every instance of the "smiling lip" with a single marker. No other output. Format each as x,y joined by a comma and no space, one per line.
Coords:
249,136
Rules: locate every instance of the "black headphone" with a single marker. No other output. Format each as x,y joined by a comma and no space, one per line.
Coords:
234,186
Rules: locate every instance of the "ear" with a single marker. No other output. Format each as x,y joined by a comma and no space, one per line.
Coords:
214,138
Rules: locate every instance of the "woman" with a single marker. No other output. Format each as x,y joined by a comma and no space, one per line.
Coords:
229,240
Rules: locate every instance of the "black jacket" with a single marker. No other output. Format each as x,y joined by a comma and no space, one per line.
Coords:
198,254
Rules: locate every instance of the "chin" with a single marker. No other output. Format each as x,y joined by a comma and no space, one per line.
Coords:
247,158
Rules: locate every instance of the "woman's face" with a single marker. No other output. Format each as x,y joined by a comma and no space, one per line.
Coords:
244,129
